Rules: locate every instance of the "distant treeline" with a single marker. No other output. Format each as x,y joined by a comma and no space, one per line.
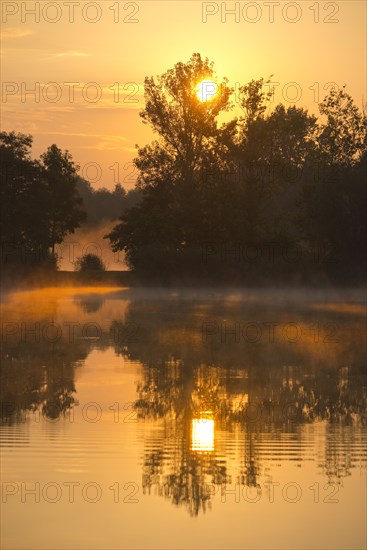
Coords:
103,204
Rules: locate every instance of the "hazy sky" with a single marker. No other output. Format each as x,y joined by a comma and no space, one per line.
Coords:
76,52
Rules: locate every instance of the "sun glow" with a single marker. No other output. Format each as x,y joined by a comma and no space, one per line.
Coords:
206,90
202,434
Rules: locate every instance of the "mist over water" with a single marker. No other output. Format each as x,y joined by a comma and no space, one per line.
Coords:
89,240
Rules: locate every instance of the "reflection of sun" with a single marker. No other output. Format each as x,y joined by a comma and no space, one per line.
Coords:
202,434
206,90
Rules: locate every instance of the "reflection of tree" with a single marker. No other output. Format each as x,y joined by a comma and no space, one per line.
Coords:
250,468
90,303
179,472
339,455
38,375
274,388
57,394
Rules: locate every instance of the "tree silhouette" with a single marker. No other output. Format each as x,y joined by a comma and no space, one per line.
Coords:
342,138
266,177
40,203
23,199
171,217
65,211
103,204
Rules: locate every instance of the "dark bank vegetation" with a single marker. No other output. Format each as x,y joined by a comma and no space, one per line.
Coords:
43,200
90,263
275,195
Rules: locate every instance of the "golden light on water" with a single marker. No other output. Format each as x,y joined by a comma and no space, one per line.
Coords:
206,90
202,434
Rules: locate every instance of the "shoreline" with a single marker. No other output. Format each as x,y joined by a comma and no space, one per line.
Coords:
37,279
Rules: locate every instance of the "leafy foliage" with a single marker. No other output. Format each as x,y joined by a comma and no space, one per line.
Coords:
207,182
262,178
39,200
90,263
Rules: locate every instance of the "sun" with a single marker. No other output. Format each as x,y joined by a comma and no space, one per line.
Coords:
206,90
202,434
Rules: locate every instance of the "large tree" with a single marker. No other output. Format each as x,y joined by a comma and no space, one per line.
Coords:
271,149
39,200
332,207
171,218
23,201
342,138
64,205
210,183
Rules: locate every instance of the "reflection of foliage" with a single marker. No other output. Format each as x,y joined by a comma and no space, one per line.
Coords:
181,474
90,303
321,380
274,387
57,393
170,392
38,375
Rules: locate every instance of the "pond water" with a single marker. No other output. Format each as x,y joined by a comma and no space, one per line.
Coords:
148,418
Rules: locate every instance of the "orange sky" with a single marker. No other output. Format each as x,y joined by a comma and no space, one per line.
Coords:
129,40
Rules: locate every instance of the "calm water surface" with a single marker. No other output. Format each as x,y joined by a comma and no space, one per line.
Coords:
183,419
